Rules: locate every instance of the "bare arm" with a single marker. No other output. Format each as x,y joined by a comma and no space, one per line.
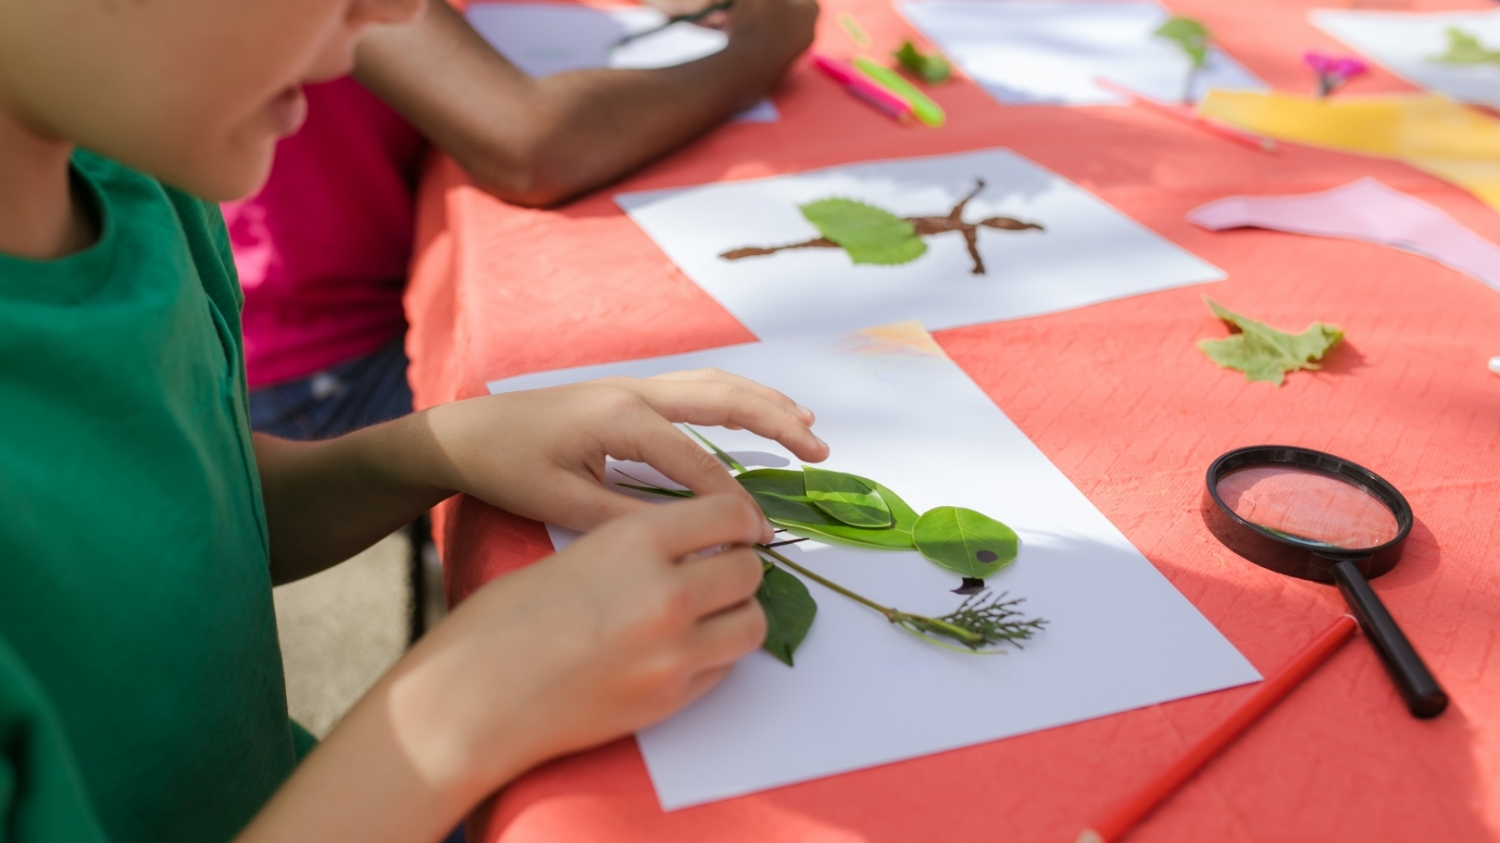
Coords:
540,454
614,633
538,142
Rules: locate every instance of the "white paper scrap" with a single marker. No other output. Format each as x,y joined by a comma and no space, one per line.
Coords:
894,408
1405,44
1088,252
546,38
1049,52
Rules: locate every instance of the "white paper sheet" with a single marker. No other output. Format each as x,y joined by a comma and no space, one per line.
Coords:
863,693
1048,52
1403,43
546,38
1089,252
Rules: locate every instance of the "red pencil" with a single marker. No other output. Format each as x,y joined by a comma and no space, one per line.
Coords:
1134,808
1187,114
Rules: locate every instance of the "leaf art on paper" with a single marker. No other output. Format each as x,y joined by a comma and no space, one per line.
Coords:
1464,48
1264,353
1192,37
878,237
845,509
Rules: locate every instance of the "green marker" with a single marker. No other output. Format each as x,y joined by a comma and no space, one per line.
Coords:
923,108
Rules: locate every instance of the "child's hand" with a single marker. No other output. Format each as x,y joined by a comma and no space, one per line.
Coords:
624,627
621,629
541,453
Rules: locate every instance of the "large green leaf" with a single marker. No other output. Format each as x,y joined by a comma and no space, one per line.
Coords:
789,612
1464,48
869,234
1188,34
845,498
1265,354
782,496
969,542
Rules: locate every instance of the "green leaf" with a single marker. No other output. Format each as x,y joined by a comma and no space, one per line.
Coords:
929,67
969,542
782,496
845,498
1264,353
1464,48
789,612
1188,34
869,234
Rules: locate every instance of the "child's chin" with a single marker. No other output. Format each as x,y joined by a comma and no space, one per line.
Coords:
230,176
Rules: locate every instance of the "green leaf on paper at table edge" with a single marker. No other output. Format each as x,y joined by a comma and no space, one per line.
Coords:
782,496
1264,353
929,67
789,612
1464,48
971,543
1188,34
845,498
869,234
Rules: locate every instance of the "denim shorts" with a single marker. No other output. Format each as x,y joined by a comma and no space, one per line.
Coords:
364,391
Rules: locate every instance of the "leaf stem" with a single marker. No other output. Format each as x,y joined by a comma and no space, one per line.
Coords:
884,610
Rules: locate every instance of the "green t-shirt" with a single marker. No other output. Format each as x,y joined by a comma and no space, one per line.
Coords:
141,689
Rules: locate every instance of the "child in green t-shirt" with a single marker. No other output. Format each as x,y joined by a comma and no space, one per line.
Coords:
141,695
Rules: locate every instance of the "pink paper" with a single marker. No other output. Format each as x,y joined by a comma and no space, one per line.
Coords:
1364,210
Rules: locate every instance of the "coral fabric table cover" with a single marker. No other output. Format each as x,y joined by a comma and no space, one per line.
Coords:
1119,397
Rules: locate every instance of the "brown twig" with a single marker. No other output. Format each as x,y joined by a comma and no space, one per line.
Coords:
922,226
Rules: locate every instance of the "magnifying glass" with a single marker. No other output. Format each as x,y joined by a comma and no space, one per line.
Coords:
1318,517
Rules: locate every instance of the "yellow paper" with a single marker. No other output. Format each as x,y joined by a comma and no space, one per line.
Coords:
1427,131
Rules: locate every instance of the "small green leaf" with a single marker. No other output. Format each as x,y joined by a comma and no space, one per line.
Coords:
929,67
1464,48
1188,34
869,234
962,540
782,496
1264,353
845,498
789,612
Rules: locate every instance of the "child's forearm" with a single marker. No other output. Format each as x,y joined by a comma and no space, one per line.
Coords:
540,142
387,773
327,501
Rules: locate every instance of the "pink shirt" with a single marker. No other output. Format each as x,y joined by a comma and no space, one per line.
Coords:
323,249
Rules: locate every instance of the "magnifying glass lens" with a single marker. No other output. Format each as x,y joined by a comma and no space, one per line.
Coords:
1308,506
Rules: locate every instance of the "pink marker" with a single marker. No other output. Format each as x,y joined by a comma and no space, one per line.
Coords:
864,88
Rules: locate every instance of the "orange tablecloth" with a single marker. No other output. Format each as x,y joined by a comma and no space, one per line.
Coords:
1120,399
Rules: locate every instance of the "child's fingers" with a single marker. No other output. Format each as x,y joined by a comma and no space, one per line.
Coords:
776,397
721,402
715,583
647,437
702,683
674,530
725,638
578,503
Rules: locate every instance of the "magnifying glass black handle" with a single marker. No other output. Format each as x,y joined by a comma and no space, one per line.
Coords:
1424,696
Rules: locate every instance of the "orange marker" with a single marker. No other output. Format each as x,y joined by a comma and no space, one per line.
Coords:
1134,808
